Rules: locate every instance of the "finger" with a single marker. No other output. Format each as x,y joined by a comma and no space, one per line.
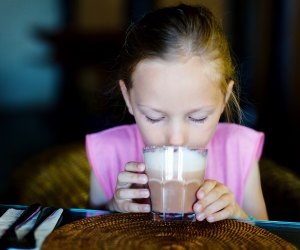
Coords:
216,206
200,216
205,188
197,208
135,167
213,211
213,195
128,177
131,207
126,193
220,215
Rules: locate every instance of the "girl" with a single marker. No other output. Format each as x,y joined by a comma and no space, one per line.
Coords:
176,76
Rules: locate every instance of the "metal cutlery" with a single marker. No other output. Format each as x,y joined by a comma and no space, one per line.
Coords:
10,234
28,241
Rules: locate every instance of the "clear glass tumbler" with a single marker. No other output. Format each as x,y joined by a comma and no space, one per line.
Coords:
175,174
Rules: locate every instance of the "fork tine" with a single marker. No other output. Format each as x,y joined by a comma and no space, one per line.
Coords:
29,241
9,235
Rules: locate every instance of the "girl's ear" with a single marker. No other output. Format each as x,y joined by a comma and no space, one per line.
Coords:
125,95
229,90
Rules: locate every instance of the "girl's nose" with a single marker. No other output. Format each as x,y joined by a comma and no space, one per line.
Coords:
177,135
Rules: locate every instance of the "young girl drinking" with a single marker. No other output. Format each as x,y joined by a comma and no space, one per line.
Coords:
176,76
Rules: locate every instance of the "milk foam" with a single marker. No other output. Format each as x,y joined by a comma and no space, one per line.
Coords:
193,160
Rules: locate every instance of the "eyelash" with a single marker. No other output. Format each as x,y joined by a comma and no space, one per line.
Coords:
201,120
154,120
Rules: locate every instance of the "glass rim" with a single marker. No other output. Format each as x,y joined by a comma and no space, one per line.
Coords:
164,147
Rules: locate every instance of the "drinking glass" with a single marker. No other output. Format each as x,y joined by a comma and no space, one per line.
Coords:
175,174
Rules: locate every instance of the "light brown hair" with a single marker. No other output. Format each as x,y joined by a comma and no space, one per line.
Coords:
181,32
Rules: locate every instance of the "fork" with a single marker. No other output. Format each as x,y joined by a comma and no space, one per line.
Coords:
10,234
28,241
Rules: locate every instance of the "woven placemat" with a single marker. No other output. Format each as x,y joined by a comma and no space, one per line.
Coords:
137,231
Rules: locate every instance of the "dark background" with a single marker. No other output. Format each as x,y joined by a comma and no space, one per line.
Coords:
57,58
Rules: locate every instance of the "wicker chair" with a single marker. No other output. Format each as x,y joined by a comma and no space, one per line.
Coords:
60,177
281,188
56,177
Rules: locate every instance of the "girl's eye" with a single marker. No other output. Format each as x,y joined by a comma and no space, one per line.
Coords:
154,120
197,120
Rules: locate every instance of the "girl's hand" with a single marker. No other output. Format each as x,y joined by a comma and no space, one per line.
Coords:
130,186
216,202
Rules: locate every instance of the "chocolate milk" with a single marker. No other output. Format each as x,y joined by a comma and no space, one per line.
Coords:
175,174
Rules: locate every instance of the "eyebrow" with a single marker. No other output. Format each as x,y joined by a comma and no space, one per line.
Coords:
149,108
208,109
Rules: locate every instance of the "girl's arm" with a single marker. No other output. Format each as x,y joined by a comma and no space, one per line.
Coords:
253,203
97,199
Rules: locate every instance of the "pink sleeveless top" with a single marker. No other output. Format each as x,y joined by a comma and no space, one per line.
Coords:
231,154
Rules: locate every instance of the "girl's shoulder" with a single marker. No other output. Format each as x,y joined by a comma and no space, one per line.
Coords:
120,140
115,133
236,131
231,137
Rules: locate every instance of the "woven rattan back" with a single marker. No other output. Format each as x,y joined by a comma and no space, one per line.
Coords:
56,177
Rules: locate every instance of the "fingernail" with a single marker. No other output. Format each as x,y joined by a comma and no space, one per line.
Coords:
201,194
200,217
140,167
144,193
198,207
210,219
146,208
143,178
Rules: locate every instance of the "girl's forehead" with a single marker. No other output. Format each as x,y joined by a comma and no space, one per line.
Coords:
148,62
159,81
183,69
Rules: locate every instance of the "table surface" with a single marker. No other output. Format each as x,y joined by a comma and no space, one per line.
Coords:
289,231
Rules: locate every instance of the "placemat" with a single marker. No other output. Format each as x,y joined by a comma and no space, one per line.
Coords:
137,231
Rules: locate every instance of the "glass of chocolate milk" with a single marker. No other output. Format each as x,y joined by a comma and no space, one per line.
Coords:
174,176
